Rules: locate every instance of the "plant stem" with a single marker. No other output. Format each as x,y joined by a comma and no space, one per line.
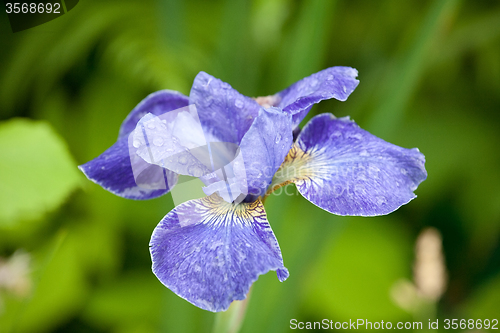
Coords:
231,320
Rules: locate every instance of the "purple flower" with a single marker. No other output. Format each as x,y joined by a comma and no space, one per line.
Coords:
210,250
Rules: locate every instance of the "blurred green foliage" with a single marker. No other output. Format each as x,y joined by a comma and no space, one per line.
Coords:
430,78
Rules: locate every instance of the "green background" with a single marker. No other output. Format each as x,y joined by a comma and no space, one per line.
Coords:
429,76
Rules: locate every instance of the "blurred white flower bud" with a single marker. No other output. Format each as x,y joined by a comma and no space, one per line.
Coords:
429,270
14,274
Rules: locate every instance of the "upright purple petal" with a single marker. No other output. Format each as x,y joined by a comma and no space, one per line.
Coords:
224,112
113,171
347,171
334,82
156,103
171,140
264,148
209,252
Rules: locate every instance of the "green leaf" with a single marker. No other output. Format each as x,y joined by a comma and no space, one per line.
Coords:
404,76
307,43
133,300
36,170
355,273
484,302
59,289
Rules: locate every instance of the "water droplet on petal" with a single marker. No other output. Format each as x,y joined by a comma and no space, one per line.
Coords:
337,134
364,153
344,88
182,159
136,143
238,103
158,142
195,171
330,77
151,126
278,138
355,136
381,200
207,101
314,83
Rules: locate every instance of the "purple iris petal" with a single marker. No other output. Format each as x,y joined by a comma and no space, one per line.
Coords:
113,171
156,103
348,171
264,148
334,82
113,168
209,252
224,112
170,141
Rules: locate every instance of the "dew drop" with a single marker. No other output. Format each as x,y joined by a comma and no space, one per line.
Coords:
195,171
158,142
314,83
278,138
330,77
238,103
151,126
381,200
136,143
355,136
207,101
364,153
337,134
182,159
344,88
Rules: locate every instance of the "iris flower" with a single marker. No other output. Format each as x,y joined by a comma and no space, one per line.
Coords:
209,251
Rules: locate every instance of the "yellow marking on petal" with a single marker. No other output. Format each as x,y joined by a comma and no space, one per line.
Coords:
226,212
298,165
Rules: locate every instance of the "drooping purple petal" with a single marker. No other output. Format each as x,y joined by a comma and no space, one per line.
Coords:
209,252
347,171
156,103
334,82
224,112
264,148
128,175
113,171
